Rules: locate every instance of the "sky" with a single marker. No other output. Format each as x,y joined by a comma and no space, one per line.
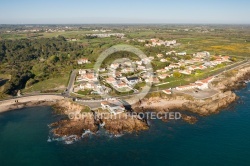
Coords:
124,11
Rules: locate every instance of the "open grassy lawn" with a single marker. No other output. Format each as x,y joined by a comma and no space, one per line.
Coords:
59,83
13,36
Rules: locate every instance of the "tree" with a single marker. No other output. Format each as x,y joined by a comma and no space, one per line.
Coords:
177,74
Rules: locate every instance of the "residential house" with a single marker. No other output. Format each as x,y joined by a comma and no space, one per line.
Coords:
128,64
114,65
82,71
174,66
186,87
82,61
151,58
163,76
139,67
161,71
114,107
182,53
167,91
170,52
138,62
120,84
163,60
159,55
186,72
91,77
102,70
110,80
205,82
132,80
127,70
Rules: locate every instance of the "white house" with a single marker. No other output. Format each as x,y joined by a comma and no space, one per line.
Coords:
110,80
205,82
138,62
114,65
201,86
82,61
167,91
163,60
170,52
182,53
139,67
132,80
127,70
82,71
186,87
159,55
114,107
186,72
163,76
120,84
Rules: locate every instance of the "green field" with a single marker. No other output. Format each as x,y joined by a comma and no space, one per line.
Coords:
59,84
218,40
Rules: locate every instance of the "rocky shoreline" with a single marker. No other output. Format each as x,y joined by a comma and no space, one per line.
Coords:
129,123
205,107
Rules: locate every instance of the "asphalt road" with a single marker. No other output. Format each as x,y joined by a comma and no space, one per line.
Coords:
71,82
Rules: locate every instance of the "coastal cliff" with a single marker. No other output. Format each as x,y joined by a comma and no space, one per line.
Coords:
79,120
232,80
224,84
72,124
124,122
211,105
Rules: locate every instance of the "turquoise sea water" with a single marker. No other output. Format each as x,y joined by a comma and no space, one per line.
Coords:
221,139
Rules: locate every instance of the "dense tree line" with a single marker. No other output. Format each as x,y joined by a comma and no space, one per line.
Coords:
35,59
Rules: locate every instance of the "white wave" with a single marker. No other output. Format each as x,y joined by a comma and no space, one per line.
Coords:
86,133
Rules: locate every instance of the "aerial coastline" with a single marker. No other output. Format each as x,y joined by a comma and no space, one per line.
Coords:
157,103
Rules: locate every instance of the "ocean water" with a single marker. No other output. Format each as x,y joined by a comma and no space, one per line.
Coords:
221,139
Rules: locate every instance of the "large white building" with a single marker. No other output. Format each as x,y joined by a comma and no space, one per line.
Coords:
114,106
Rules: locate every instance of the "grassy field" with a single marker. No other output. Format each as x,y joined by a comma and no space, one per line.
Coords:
59,84
233,41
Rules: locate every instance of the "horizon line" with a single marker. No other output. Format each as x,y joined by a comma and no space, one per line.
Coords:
124,23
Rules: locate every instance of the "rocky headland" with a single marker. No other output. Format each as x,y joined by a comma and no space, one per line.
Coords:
80,119
224,84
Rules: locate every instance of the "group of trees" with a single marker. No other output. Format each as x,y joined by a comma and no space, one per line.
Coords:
33,60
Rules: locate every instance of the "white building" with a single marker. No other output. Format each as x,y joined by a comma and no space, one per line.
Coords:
167,91
82,61
114,107
182,53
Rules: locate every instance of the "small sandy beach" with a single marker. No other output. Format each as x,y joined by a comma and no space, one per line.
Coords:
10,104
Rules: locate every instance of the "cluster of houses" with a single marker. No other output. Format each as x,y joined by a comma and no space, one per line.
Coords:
157,42
118,75
83,61
101,30
200,84
88,80
122,82
103,35
199,61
